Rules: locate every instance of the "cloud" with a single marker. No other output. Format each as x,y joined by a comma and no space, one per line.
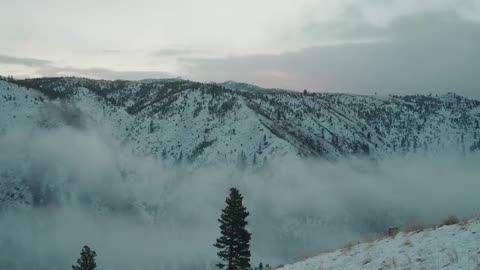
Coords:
6,59
419,52
103,73
423,52
176,52
47,68
108,52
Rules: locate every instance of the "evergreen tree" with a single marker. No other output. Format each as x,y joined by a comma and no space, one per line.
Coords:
242,160
151,126
86,260
179,158
234,243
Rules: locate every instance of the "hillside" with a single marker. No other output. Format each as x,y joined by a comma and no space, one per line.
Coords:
446,247
129,157
177,120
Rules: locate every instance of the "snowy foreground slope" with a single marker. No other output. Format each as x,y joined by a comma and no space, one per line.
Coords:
446,247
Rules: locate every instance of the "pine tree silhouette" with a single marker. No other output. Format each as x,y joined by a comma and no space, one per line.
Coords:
86,260
234,243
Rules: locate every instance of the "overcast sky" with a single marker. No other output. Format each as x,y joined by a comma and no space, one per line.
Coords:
360,46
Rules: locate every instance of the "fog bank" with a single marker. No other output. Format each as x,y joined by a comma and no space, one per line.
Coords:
79,186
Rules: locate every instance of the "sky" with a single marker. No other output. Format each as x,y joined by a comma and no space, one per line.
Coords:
366,46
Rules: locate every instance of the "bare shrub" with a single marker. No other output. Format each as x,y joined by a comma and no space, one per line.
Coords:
367,260
393,231
269,267
451,220
309,256
327,250
408,243
416,227
374,238
348,246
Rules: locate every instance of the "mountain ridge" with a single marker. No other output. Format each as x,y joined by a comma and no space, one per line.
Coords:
318,125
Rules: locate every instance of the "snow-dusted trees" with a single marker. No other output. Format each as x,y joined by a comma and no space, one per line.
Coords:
234,243
86,260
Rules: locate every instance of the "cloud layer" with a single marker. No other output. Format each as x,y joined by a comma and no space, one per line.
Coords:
426,53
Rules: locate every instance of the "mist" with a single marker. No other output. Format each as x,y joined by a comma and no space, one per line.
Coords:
80,187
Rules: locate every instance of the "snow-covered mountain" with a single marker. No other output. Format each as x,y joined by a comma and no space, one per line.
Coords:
95,149
446,247
237,123
234,124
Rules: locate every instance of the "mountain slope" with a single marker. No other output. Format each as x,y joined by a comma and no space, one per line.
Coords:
106,148
242,124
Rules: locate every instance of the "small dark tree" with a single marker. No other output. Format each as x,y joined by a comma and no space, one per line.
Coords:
86,260
234,244
179,158
152,129
242,160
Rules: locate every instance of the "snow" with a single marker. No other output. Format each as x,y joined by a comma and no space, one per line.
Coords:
447,247
178,117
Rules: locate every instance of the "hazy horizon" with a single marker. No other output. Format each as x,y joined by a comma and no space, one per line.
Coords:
401,93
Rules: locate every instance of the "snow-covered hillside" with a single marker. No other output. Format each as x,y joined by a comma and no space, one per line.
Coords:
235,123
446,247
91,151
